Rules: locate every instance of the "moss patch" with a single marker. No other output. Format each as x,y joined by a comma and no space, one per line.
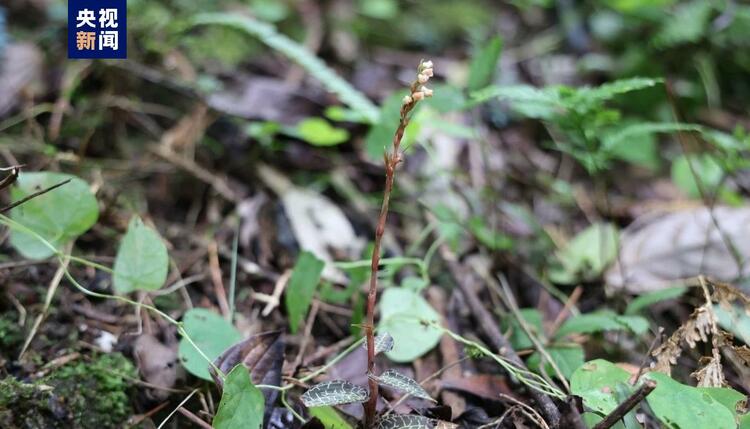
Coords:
82,394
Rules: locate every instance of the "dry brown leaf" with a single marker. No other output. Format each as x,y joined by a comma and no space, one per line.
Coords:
657,250
696,329
158,364
712,373
319,225
20,67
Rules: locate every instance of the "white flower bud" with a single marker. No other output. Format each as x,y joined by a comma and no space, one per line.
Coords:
427,72
418,95
427,65
427,92
406,100
422,78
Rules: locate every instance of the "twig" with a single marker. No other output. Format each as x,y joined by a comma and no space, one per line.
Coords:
221,293
418,92
618,413
34,195
306,336
56,279
193,418
489,327
278,289
570,303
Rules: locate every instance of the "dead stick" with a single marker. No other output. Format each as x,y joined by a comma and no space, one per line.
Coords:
618,413
34,195
193,418
489,326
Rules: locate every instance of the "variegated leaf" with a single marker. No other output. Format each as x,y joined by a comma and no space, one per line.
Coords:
334,392
383,343
412,422
396,380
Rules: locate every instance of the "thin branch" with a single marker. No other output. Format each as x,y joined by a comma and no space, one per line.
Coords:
618,413
32,196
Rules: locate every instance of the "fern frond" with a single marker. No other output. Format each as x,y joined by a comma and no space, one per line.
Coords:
267,34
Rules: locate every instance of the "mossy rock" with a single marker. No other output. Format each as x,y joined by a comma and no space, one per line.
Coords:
11,335
82,394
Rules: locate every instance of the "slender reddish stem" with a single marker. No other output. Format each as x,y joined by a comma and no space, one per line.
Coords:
391,161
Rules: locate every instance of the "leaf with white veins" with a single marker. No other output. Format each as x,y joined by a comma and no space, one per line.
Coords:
412,422
396,380
383,343
334,392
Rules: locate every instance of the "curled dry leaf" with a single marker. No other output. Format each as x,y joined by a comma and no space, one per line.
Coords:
696,329
712,373
334,392
396,380
412,422
656,250
319,226
263,356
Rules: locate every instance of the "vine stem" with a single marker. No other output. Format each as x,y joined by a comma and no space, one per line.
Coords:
418,92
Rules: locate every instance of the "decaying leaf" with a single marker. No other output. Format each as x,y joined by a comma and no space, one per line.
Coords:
394,379
263,355
696,329
656,250
383,343
334,392
21,68
712,373
157,363
319,225
412,422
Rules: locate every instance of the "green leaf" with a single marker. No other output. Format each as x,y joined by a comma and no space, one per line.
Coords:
696,410
242,404
301,288
734,320
704,166
211,333
591,97
587,255
318,132
484,63
336,392
639,131
687,25
402,312
518,338
330,418
395,380
142,262
726,396
494,240
595,382
567,357
268,34
602,321
527,100
58,216
648,299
